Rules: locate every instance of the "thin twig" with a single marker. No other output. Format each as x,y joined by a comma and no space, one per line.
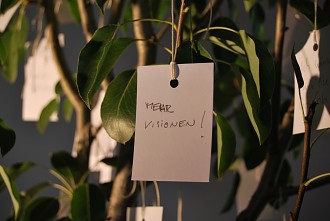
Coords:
87,18
305,162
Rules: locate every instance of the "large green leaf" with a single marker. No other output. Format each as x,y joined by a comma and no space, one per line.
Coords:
226,144
266,71
7,137
12,189
14,39
251,55
259,117
43,208
97,59
7,4
119,105
88,204
46,113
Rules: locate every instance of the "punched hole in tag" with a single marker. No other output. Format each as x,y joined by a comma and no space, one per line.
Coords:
174,83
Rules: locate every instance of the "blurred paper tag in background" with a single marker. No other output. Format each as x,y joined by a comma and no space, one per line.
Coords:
151,213
40,78
173,131
315,68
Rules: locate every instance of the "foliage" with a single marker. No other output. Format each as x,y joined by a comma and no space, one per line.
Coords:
244,86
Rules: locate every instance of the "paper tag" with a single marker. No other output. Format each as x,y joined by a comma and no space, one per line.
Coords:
315,68
151,213
102,146
173,130
41,76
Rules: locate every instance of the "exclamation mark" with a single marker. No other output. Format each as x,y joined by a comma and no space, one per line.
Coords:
202,122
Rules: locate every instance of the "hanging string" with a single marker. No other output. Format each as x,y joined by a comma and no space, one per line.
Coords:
143,197
210,19
157,193
315,46
178,37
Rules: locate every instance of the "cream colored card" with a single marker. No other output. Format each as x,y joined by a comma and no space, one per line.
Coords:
315,68
41,76
5,18
173,130
102,146
149,213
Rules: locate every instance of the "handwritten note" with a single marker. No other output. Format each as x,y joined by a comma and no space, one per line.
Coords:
102,146
149,213
41,76
315,68
173,125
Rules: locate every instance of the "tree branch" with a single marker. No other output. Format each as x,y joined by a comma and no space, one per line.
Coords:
116,11
87,18
146,55
81,144
143,30
305,162
293,190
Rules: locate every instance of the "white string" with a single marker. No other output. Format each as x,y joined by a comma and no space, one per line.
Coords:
176,45
143,192
157,193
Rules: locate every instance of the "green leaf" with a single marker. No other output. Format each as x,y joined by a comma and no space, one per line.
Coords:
296,69
14,39
6,5
192,52
7,138
266,72
43,208
119,105
306,7
248,4
228,45
16,170
251,55
64,163
102,4
259,117
226,144
67,109
3,52
12,189
232,194
159,8
88,204
97,59
111,161
73,5
257,14
46,113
